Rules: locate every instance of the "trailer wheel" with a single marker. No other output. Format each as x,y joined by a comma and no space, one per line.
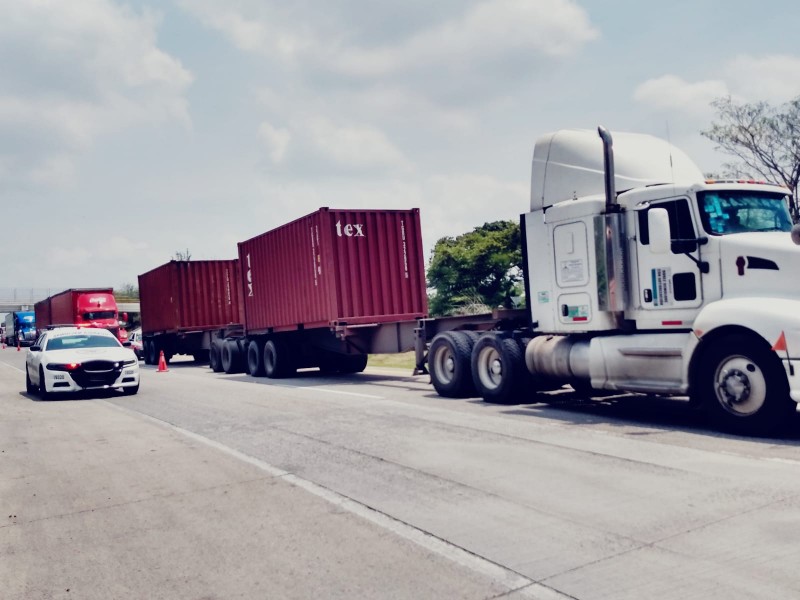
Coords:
277,361
353,363
498,369
449,363
231,357
743,387
215,357
151,353
255,361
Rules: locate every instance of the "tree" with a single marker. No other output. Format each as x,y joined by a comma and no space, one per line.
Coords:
764,138
185,255
481,266
127,291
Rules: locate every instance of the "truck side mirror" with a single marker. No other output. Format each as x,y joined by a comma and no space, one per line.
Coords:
658,225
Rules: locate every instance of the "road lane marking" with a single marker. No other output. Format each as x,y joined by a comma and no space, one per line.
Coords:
516,583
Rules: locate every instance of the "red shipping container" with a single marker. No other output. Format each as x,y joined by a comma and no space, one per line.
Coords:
196,295
334,267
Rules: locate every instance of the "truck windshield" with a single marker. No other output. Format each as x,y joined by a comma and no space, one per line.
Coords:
99,314
737,211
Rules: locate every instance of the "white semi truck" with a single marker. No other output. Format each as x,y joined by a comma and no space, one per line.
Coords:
641,276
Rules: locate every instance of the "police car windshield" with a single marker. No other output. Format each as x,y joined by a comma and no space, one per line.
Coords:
70,342
738,211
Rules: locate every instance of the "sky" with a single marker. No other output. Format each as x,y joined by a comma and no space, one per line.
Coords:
130,131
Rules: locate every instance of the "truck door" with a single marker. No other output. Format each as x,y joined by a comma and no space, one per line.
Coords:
669,281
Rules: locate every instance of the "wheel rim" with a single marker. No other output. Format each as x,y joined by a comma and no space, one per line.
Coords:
740,386
444,362
490,368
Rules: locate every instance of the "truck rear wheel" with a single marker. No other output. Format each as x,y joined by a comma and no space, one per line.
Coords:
450,364
255,360
215,356
498,369
151,352
277,361
742,386
353,363
231,357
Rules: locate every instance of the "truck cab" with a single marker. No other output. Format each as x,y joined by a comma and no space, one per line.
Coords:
645,277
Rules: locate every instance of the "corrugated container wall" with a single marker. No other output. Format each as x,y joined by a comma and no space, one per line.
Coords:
190,296
335,267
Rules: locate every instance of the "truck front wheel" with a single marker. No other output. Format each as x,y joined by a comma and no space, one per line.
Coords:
449,363
498,369
743,387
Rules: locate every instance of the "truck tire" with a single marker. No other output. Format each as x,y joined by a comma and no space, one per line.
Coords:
232,358
450,364
215,356
742,386
152,353
255,359
353,363
498,369
277,359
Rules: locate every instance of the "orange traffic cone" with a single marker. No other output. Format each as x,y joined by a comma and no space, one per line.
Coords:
162,363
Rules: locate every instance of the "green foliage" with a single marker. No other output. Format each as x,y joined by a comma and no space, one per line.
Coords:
764,138
127,291
483,267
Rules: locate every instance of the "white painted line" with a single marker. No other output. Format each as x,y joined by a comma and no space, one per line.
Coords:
328,391
515,582
12,367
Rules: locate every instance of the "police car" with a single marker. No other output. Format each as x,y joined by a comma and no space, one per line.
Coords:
72,359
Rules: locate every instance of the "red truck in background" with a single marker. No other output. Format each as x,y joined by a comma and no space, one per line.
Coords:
81,307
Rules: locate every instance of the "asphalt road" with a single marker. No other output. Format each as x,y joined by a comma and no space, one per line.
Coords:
371,486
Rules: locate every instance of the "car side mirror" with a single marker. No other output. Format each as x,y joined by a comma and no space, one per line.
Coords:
658,225
35,348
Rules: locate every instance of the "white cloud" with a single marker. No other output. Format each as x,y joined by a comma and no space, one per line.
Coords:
80,69
475,37
277,141
484,33
774,78
747,78
353,146
671,93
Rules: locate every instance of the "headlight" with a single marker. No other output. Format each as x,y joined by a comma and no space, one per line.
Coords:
130,363
63,367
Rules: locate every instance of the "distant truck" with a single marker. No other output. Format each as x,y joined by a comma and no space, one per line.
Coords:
84,307
20,327
322,291
185,304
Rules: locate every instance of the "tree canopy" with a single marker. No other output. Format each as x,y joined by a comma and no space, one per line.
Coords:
766,139
483,266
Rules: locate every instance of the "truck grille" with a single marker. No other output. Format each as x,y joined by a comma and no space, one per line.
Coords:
97,373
